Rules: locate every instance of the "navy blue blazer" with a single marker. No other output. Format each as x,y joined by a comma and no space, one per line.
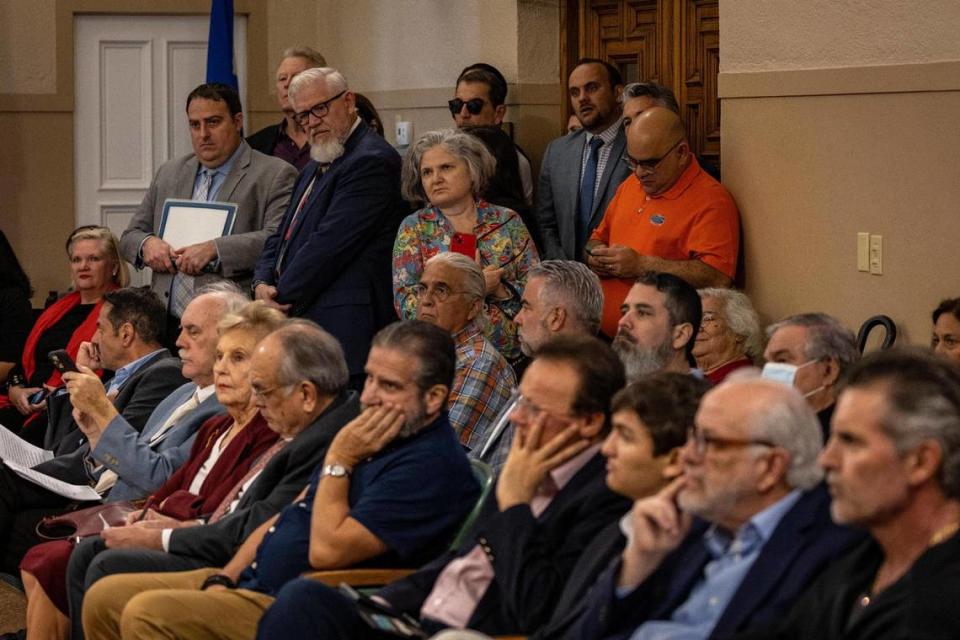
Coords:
804,543
336,267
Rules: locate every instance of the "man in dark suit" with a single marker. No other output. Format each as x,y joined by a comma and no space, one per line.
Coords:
221,168
581,171
308,415
550,501
127,341
330,259
734,541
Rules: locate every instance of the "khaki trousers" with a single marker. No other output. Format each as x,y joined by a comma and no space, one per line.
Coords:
170,605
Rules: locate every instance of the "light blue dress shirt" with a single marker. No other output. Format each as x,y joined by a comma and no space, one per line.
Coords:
731,559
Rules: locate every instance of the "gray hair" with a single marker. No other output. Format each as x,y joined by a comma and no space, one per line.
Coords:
573,285
231,296
662,95
473,280
826,338
740,316
334,79
310,353
923,400
480,162
314,57
786,420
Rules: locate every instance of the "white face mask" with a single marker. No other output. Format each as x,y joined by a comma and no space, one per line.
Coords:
782,372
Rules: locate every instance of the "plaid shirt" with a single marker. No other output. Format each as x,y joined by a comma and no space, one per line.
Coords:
481,387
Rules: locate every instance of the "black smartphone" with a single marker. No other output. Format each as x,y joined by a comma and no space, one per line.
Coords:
38,397
62,361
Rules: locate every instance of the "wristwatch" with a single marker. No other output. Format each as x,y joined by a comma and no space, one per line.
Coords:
336,470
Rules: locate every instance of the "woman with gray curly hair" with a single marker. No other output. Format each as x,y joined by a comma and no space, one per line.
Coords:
729,336
449,170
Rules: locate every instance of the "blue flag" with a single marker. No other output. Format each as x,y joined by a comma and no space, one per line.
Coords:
220,44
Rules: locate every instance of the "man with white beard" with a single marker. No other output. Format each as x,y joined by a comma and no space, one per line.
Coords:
659,320
330,259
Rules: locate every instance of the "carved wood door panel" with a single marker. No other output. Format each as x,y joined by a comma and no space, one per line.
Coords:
673,42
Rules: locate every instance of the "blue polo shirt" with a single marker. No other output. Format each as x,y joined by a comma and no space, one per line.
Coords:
413,496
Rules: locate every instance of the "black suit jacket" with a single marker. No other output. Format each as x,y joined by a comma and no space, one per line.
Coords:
265,140
921,605
136,399
605,549
804,543
532,557
285,476
336,266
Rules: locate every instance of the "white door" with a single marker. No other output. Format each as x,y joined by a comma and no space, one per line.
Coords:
133,75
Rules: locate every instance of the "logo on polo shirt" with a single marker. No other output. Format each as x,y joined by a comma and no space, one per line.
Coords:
657,219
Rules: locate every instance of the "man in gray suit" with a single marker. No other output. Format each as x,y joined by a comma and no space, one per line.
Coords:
581,171
222,168
139,463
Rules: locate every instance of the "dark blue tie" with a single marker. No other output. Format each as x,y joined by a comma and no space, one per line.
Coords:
587,183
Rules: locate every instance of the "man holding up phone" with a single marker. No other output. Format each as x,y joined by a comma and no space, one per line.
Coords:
730,544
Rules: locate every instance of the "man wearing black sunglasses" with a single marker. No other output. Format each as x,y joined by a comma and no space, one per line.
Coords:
668,216
480,100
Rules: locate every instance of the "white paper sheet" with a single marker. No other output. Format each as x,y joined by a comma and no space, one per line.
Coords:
59,487
192,222
16,449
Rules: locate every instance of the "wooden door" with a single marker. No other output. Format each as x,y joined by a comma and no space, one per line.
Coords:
673,42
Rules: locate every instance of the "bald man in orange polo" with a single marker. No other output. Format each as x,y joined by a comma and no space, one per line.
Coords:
669,215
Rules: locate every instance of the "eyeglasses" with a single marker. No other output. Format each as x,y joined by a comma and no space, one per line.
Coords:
319,111
703,442
263,394
474,105
519,403
440,292
649,165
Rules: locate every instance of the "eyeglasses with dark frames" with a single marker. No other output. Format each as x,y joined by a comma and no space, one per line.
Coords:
319,111
650,164
474,105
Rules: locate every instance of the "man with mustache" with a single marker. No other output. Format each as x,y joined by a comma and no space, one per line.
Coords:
734,541
659,321
330,258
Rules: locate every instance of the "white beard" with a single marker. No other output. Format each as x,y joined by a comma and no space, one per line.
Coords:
326,152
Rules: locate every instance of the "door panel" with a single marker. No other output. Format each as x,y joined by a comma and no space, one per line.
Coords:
133,75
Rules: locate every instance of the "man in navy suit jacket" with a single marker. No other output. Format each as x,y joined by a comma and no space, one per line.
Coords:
733,542
329,260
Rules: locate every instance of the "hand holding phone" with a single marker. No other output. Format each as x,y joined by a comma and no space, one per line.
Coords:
62,361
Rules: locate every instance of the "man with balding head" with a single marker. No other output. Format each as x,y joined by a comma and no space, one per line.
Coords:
668,216
732,542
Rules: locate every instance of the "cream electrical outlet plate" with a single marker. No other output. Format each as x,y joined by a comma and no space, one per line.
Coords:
876,255
863,251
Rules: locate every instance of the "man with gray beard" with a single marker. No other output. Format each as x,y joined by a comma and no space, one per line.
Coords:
734,540
659,320
330,259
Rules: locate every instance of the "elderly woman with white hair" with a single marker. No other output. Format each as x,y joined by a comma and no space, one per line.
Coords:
449,170
729,337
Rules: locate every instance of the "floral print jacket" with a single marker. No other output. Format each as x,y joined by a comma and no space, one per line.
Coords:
502,241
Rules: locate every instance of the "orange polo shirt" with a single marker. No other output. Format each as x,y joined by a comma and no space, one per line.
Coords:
695,219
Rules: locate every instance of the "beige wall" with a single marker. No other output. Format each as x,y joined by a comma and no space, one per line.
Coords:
840,116
404,54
